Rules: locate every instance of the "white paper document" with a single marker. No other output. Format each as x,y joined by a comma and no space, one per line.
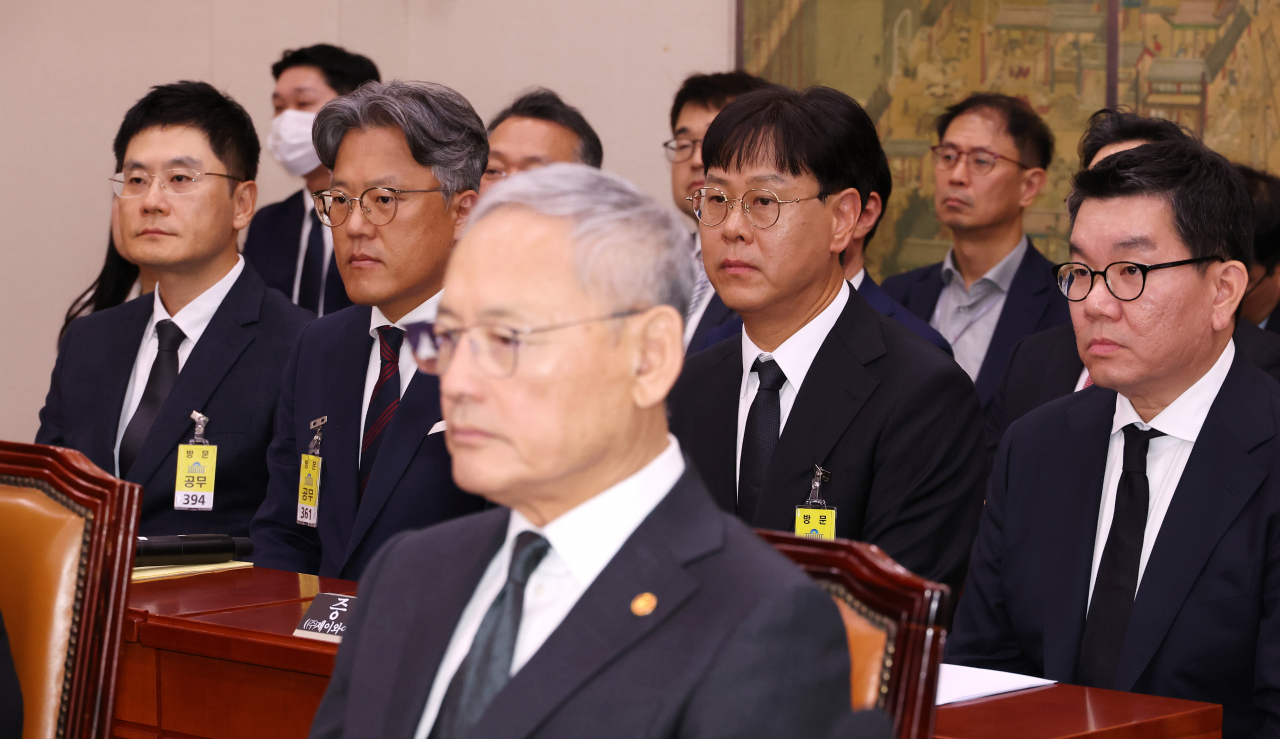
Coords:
957,683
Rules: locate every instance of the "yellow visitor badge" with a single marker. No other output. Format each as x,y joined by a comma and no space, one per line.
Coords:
814,520
197,469
309,478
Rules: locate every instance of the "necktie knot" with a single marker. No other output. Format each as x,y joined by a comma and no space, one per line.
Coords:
169,335
390,337
526,555
771,376
1136,444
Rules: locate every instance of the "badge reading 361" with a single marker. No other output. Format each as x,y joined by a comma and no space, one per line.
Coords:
309,490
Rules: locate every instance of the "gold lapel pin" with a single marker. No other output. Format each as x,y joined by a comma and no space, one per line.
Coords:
644,603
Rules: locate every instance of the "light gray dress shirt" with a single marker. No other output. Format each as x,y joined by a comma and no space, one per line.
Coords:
967,316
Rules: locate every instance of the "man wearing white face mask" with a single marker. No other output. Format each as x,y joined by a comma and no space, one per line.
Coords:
285,242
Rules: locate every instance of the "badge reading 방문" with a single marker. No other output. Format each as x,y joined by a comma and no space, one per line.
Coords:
309,478
814,520
197,467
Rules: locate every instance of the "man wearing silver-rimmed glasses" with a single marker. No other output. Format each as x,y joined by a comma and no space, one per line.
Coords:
212,338
354,413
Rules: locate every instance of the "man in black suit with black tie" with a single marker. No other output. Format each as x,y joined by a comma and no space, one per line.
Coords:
817,376
699,99
406,160
993,288
607,596
1131,537
285,242
211,340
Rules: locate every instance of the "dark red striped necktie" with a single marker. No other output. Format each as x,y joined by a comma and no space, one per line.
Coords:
382,401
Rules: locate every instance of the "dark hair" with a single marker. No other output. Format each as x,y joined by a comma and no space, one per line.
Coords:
199,105
819,131
1112,126
713,91
1028,131
544,105
1265,190
1212,211
342,70
109,290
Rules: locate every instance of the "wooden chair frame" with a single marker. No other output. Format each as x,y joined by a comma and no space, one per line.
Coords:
110,508
869,581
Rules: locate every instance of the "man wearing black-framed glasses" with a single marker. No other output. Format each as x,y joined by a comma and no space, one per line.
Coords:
395,204
1131,536
212,338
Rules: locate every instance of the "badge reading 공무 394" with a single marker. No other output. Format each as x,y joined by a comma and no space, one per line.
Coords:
193,487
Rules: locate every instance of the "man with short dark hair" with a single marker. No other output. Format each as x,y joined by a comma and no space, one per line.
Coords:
1131,536
210,342
1261,305
285,242
993,288
699,99
352,394
536,130
817,376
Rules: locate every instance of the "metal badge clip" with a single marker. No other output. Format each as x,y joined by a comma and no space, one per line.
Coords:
201,421
819,476
318,425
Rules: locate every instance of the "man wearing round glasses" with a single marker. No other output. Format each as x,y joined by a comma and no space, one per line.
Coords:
212,338
1131,537
993,287
817,376
406,159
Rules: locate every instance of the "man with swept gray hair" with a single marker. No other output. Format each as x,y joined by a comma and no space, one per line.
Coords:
606,595
354,413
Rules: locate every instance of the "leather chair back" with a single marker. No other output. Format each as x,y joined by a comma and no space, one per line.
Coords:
66,540
895,621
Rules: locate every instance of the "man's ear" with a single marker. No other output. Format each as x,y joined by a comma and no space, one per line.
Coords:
847,210
245,199
1229,280
658,354
462,205
869,217
1033,181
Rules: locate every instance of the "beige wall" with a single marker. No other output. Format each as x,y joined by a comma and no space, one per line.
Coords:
72,68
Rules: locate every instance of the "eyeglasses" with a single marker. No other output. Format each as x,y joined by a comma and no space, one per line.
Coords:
495,347
1125,280
680,150
377,204
762,207
981,161
137,182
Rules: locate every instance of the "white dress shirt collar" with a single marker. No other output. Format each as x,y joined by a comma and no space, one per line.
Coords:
1183,418
796,354
588,536
424,312
858,278
194,317
1000,275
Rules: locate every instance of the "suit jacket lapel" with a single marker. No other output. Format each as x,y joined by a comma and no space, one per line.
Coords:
346,361
1218,481
212,357
834,390
418,411
1072,499
601,627
123,337
717,402
460,569
923,296
1029,294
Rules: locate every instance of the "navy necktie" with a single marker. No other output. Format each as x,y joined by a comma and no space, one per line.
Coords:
311,284
487,666
764,424
383,401
1116,584
164,374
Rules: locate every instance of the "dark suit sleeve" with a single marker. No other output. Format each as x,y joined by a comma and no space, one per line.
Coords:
50,431
10,691
997,411
330,718
930,469
1266,687
279,541
783,673
982,634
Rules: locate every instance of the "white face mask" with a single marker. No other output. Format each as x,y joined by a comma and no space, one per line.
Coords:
290,142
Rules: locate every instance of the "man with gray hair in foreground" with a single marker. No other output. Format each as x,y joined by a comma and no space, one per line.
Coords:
607,595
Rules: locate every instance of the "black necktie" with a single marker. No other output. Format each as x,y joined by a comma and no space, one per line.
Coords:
487,666
1116,584
383,401
164,373
764,423
311,285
